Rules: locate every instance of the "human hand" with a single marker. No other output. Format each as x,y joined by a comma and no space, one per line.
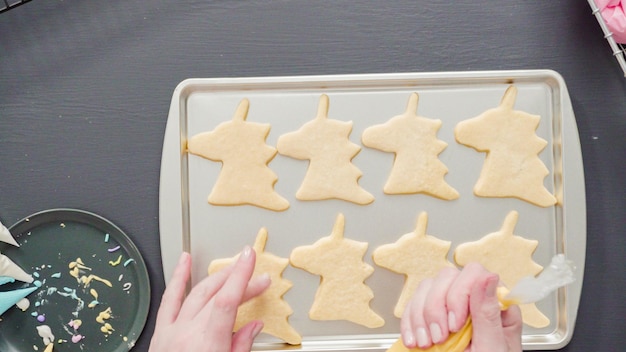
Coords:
443,304
204,320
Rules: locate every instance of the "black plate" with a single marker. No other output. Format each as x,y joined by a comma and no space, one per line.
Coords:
50,240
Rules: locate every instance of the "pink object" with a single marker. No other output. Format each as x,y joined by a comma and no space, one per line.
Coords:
77,338
614,14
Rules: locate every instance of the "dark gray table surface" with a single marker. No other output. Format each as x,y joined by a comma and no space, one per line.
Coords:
85,88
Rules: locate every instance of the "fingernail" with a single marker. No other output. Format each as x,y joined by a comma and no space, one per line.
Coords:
247,251
183,258
435,332
265,277
452,321
491,287
422,337
408,339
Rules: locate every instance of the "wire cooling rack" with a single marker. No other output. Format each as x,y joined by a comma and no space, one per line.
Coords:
619,51
6,5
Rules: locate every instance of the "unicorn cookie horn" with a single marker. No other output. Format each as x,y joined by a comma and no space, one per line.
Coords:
509,98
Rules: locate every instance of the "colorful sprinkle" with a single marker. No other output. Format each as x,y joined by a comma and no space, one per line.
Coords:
56,275
106,238
37,283
78,264
41,318
107,329
36,274
117,262
95,302
77,338
104,315
75,323
111,250
127,286
45,333
86,280
128,262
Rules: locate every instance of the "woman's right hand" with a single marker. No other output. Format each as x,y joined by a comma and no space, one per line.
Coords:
443,304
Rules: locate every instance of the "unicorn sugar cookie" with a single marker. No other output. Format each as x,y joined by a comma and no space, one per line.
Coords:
342,294
269,306
416,255
245,177
326,144
512,167
509,256
413,140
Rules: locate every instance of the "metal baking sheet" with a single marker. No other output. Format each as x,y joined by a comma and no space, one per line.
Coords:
188,222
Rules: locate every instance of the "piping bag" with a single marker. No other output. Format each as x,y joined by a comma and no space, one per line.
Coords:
614,14
530,289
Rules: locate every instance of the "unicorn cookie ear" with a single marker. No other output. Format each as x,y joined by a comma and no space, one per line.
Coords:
508,100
